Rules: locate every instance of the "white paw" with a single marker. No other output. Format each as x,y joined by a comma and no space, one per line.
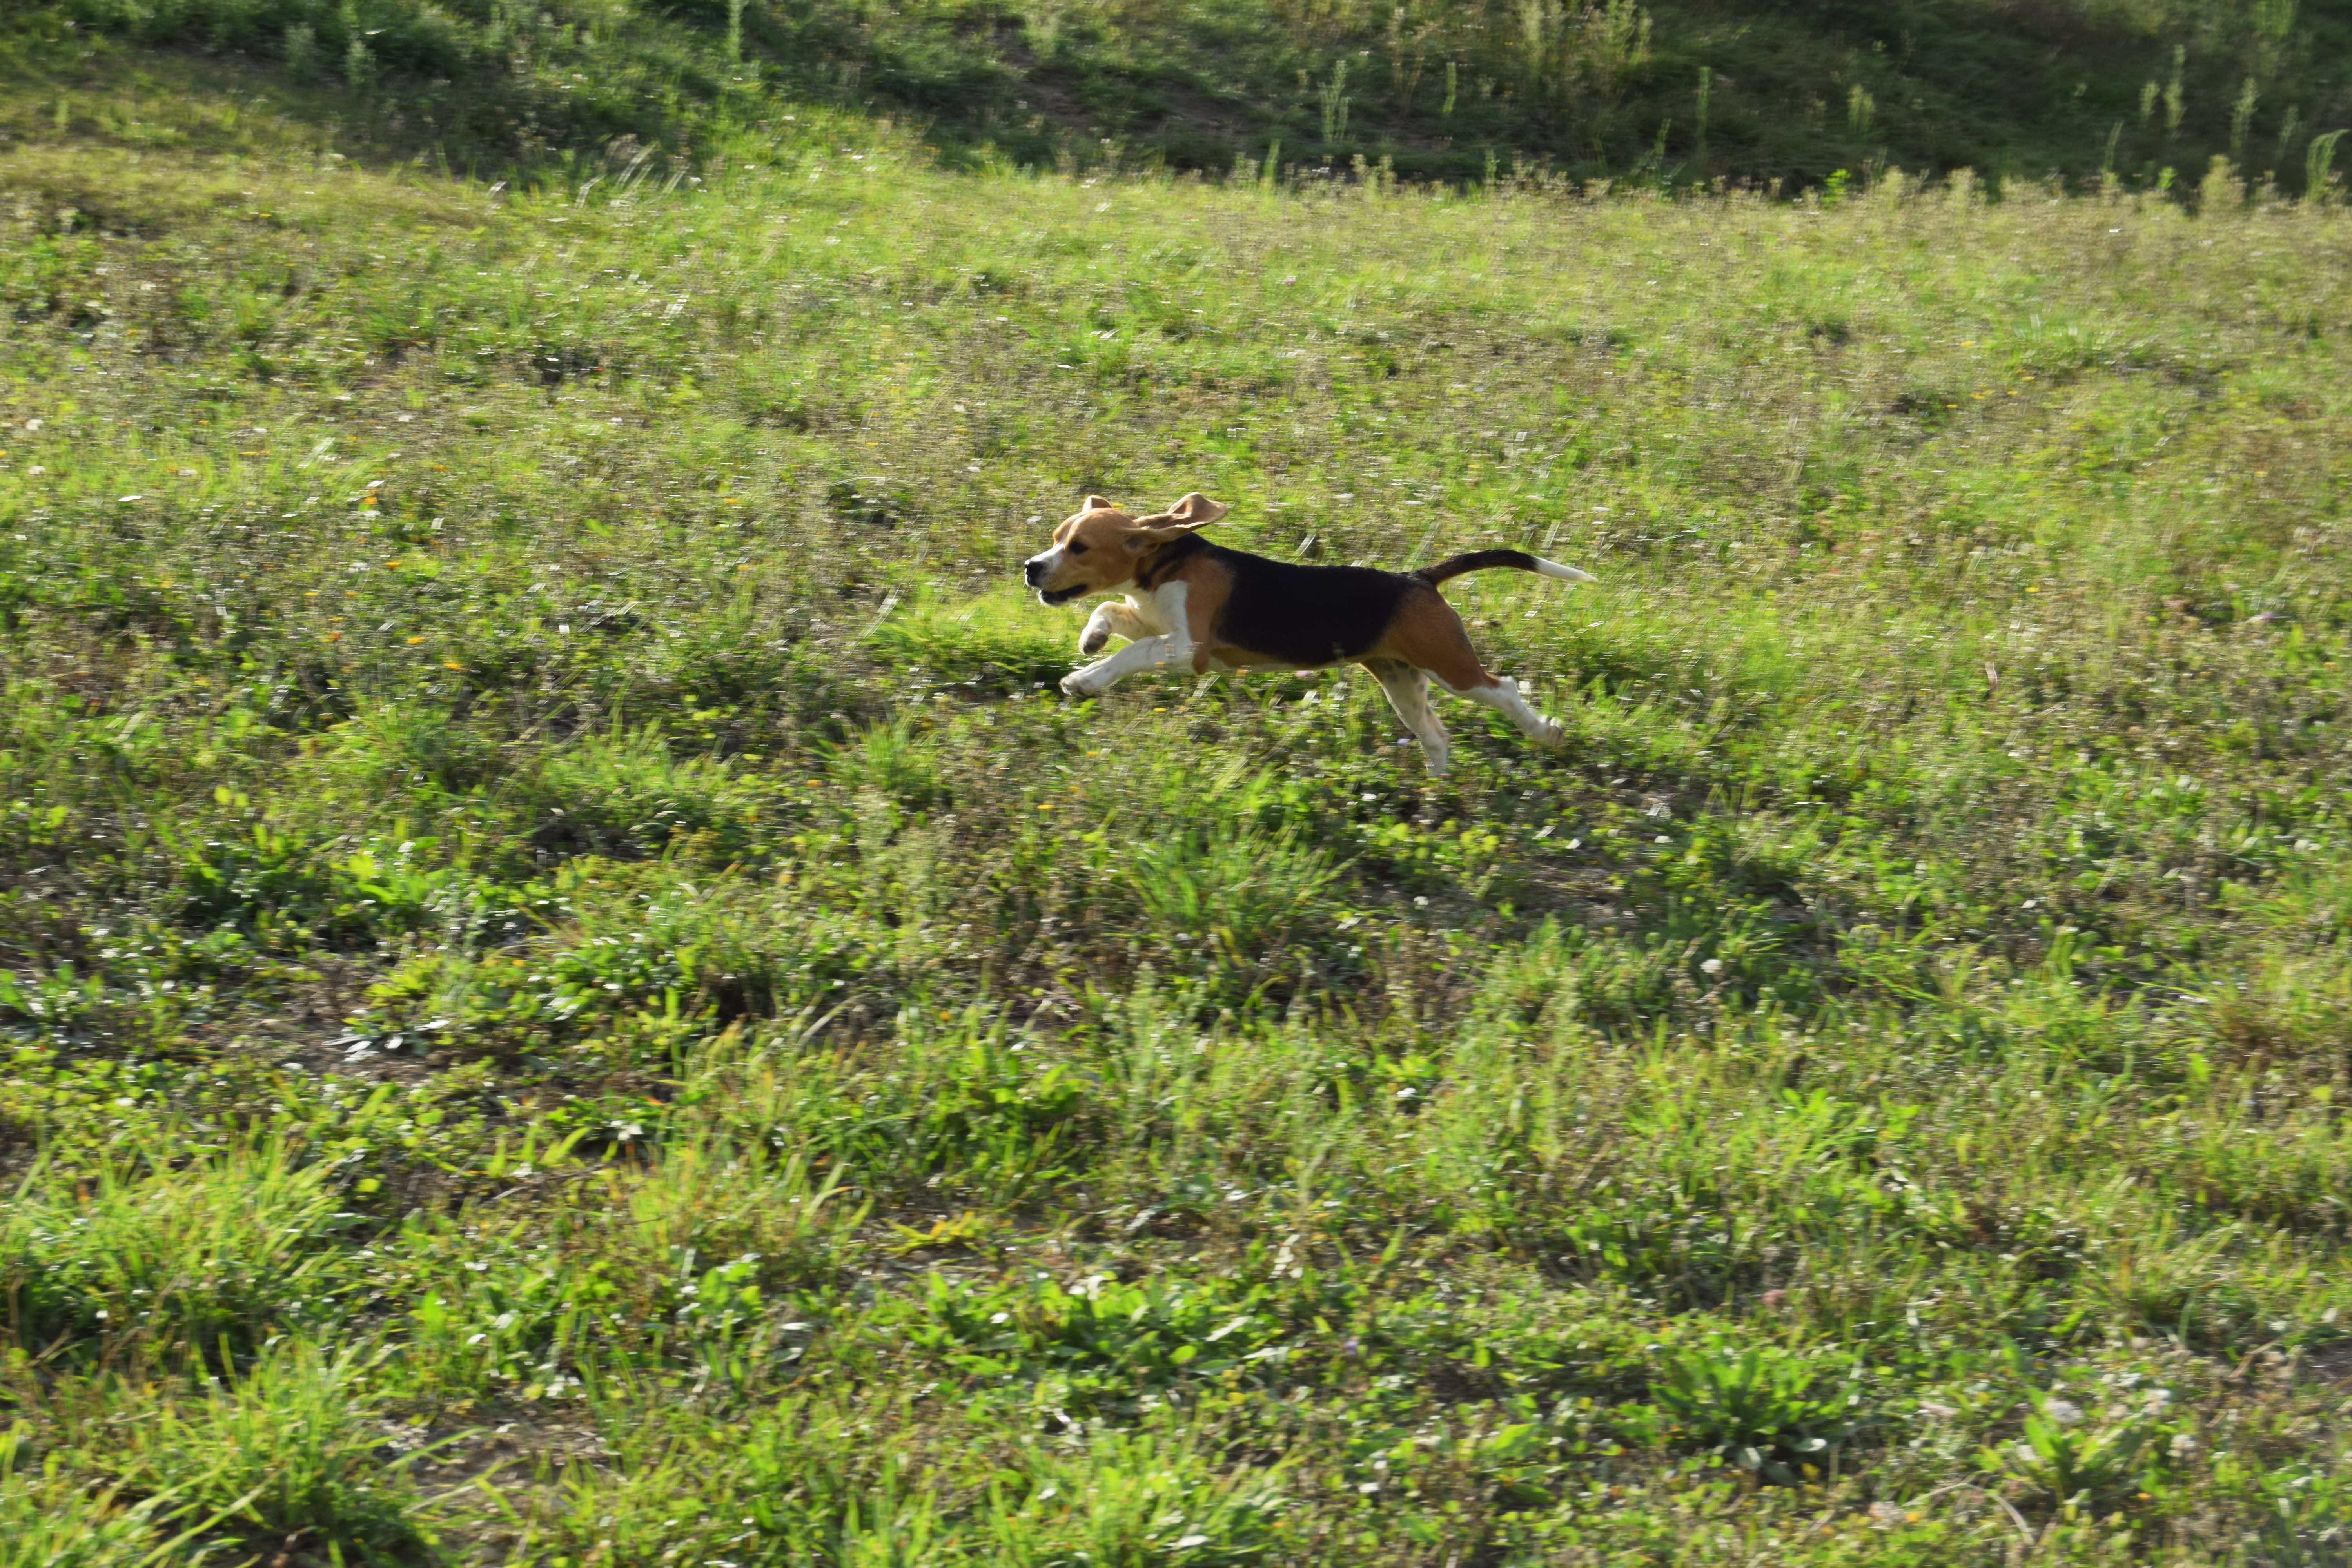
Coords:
1076,686
1552,733
1092,643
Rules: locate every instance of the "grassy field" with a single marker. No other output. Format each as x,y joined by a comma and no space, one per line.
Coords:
573,995
1678,93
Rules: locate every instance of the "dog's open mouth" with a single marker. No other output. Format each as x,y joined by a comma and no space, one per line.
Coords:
1057,596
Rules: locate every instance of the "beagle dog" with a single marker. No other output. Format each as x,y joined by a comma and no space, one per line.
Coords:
1190,602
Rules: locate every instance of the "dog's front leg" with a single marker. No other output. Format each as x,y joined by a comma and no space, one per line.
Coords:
1140,654
1112,617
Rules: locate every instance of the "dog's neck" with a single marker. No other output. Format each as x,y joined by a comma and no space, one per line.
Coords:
1160,563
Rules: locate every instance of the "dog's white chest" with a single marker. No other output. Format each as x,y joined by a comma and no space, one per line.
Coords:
1162,611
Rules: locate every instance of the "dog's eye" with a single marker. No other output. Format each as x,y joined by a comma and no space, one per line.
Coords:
1077,549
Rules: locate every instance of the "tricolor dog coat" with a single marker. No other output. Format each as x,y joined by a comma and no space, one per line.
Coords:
1191,602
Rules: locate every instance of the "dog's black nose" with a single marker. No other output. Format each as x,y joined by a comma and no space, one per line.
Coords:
1033,572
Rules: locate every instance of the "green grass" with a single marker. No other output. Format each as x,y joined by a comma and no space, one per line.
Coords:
571,998
1676,94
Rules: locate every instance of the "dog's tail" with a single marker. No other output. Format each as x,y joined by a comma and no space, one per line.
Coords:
1519,560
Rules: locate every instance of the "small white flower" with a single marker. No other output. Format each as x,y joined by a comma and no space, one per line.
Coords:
2182,1442
2064,1412
1712,966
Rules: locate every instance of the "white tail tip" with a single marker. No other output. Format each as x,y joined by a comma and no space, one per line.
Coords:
1565,573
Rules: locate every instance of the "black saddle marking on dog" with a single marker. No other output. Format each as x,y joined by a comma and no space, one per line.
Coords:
1305,614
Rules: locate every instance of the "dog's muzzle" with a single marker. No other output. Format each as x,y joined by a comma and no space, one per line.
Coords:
1037,569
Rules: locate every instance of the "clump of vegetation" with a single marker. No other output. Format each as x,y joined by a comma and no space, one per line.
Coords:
573,992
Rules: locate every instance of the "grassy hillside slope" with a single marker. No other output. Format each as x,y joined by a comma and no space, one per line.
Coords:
1675,93
573,995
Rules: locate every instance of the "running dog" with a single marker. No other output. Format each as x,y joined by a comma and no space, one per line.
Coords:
1191,602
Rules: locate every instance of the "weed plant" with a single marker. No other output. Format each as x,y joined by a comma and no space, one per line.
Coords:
574,994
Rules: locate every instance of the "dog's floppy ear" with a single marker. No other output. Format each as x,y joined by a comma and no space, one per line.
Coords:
1096,503
1196,511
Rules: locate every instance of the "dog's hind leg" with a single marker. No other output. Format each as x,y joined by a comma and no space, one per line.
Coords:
1428,635
1408,693
1503,694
